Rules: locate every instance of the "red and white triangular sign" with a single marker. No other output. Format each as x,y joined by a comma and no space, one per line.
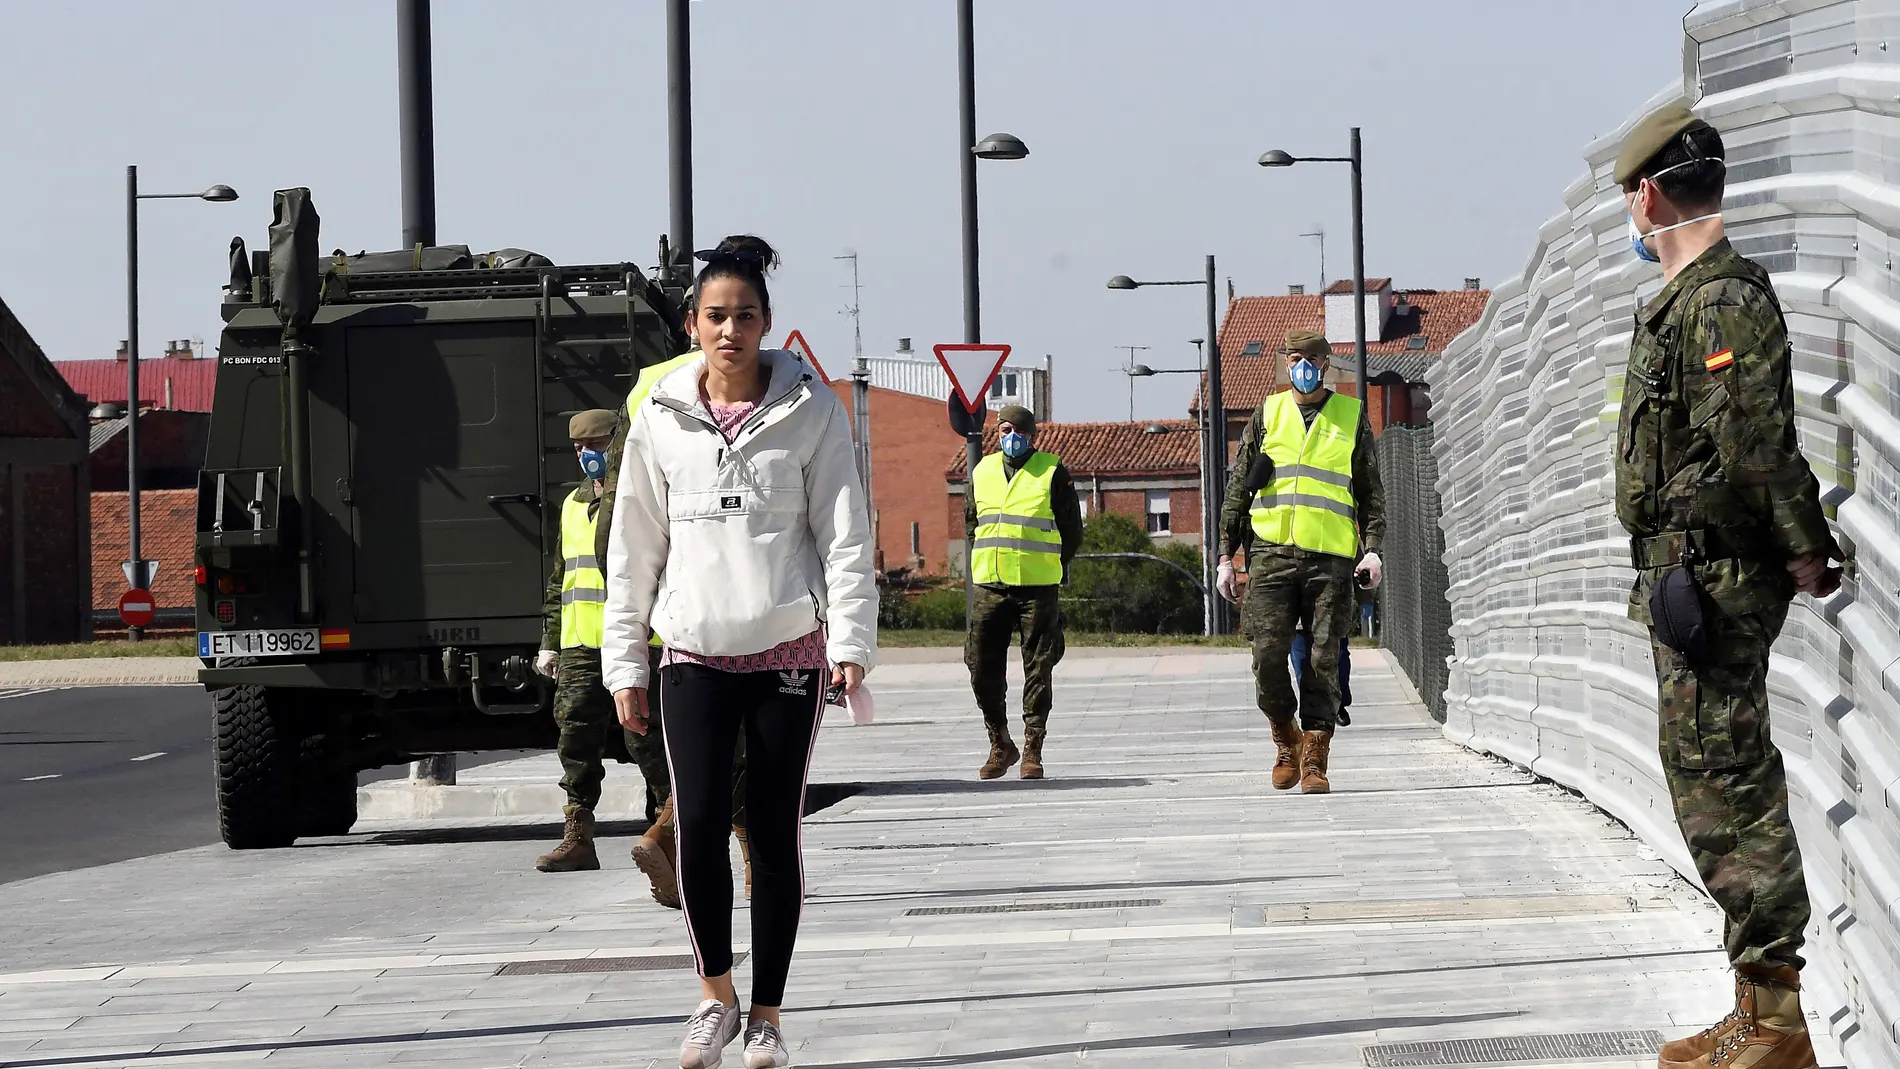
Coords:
796,343
971,367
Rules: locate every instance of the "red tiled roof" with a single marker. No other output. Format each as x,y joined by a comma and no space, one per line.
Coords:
1109,449
168,533
1438,315
1373,285
192,381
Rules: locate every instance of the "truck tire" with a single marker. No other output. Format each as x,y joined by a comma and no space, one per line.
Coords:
255,743
326,790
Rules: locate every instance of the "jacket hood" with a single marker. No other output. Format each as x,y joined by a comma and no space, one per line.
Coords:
785,370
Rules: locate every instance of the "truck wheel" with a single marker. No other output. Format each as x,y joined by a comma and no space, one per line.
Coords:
256,747
326,790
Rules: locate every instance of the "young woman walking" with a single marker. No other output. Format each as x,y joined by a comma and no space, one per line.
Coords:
740,537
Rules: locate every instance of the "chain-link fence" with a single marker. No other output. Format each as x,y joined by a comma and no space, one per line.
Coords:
1414,614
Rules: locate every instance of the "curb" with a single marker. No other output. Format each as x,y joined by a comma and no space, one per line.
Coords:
101,672
623,801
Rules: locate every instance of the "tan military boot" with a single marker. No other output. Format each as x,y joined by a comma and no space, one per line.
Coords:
745,854
1032,754
1766,1030
1314,747
1286,767
657,855
1003,753
576,852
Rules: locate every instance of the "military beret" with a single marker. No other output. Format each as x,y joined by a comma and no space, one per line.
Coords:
1310,342
1021,418
593,423
1652,135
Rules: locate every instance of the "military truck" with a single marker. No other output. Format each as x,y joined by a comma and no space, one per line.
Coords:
378,508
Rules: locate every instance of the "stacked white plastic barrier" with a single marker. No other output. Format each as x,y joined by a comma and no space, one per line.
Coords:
1548,671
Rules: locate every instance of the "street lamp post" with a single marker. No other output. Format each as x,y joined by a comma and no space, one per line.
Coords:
1278,158
969,150
1210,612
1216,409
137,574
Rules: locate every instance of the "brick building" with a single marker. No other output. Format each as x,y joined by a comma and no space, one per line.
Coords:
168,534
45,569
910,436
1147,471
181,380
1406,331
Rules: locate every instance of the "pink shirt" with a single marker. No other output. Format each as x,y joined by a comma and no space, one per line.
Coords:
798,654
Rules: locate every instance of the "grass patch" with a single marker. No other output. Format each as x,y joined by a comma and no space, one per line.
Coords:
159,647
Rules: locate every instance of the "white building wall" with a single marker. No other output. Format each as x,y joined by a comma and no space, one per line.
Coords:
1548,671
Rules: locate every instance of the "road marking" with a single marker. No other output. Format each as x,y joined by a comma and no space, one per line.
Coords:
26,693
36,779
149,756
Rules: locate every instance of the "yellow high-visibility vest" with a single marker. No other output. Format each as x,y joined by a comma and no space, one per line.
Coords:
1016,542
1309,503
583,584
642,389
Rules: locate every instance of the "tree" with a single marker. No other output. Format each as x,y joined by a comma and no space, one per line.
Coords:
1130,595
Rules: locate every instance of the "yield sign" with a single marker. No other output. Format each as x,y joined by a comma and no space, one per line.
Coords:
971,367
796,343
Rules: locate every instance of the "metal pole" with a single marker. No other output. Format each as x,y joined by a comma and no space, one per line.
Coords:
679,132
972,314
1216,429
132,634
1359,273
417,103
1211,617
416,82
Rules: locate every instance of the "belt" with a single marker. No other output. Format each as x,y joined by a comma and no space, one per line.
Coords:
1712,543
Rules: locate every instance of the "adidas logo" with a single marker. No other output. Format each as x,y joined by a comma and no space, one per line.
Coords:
794,683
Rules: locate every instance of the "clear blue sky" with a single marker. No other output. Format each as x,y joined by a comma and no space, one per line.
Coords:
823,125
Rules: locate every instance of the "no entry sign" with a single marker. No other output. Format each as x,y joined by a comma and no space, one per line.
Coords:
136,608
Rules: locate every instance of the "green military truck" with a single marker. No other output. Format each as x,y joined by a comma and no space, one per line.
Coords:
377,510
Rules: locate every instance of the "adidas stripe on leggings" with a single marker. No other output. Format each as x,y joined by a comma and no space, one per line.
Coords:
702,711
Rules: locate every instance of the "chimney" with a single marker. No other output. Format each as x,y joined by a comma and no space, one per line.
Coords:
168,392
1473,284
1296,290
1339,317
904,351
122,349
179,350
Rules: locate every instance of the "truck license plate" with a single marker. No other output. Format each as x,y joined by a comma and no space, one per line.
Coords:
288,643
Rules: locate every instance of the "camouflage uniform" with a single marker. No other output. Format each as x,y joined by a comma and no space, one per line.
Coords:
1706,455
1288,587
1033,613
590,729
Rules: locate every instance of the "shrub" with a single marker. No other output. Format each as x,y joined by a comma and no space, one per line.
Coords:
940,609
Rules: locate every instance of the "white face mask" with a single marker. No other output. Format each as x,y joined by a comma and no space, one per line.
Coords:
1639,242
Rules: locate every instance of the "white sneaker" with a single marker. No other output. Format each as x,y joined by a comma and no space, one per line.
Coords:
713,1025
765,1047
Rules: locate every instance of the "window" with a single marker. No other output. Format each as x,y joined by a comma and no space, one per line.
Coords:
1082,503
1160,512
1252,349
1003,385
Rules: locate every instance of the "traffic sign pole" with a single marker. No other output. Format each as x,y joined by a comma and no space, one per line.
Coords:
971,366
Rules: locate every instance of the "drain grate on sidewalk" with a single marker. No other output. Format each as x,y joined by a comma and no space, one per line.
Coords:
557,966
1034,907
1566,1046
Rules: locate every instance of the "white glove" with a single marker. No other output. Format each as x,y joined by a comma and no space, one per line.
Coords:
545,663
1373,566
1224,581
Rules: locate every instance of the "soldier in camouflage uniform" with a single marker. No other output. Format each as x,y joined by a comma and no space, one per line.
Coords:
1726,527
570,653
1299,524
1023,525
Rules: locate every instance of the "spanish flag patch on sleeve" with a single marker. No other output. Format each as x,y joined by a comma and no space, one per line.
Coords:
1718,361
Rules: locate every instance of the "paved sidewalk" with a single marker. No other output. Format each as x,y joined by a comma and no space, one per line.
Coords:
1153,902
100,672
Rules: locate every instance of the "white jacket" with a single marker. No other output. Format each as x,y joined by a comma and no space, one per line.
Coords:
733,549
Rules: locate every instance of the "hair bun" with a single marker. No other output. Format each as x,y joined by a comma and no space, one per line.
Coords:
748,247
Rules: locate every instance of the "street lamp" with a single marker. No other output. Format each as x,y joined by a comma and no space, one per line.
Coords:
137,572
969,150
1279,158
1215,463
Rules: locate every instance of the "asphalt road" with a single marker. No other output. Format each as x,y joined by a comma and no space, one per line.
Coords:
94,775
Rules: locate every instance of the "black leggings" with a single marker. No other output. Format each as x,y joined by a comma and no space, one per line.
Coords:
701,713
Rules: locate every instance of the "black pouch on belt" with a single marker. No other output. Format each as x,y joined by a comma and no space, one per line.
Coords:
1678,612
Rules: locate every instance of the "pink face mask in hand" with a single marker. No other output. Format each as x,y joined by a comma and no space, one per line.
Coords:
860,705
